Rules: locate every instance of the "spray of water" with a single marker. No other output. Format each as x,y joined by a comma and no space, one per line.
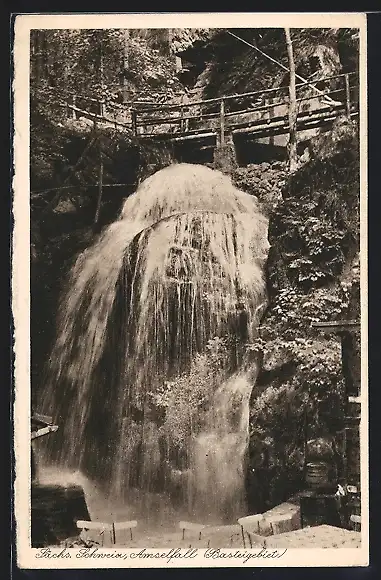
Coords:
179,267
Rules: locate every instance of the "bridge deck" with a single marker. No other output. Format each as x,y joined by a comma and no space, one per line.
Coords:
265,113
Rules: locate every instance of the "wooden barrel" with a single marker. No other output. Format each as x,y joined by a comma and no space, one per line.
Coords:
317,475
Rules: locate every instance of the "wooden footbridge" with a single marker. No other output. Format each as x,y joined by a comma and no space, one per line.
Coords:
258,114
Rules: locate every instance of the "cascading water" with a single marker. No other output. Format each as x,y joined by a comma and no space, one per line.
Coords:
182,265
218,452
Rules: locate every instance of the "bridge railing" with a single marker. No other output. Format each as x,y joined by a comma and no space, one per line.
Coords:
235,112
266,109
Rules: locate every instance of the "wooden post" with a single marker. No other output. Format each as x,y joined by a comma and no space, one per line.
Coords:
113,533
100,187
347,96
134,124
101,71
126,51
222,122
181,119
243,536
271,114
73,112
292,107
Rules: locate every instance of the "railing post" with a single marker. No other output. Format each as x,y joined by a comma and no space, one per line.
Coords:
347,96
222,122
134,122
181,119
100,187
73,112
101,107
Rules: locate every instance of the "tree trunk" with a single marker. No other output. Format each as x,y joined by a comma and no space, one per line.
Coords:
126,46
100,185
292,109
39,49
101,76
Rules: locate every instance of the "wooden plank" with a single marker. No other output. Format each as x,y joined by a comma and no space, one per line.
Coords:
280,126
43,431
178,137
347,96
45,419
191,526
125,525
322,113
95,117
97,526
337,325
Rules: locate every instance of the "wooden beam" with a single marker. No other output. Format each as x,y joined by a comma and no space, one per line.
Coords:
347,96
222,122
95,117
199,116
170,137
337,326
277,126
43,419
248,94
44,431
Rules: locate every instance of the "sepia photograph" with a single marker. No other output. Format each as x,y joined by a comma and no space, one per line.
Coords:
189,290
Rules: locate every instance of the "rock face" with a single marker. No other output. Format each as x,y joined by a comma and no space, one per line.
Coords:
55,511
226,65
188,39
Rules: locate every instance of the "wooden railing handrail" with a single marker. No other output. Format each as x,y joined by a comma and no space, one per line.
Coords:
151,116
148,108
241,95
216,114
95,116
320,113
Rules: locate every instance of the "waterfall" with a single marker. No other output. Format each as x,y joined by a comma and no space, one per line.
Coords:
218,453
182,265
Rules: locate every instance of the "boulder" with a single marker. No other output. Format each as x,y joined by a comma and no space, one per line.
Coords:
55,511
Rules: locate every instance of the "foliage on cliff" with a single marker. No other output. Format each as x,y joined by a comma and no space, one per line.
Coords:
104,64
313,276
185,398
